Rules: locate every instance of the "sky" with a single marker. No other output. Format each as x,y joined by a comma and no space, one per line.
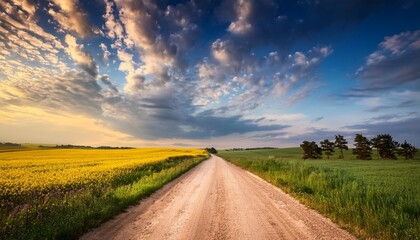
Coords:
229,73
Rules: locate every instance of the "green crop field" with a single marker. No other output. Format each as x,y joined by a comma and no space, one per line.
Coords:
377,199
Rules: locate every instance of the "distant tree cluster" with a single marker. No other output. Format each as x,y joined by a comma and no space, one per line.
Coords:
83,147
9,144
385,146
311,150
245,149
211,150
327,147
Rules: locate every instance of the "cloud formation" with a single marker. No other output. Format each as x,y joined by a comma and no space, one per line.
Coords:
80,56
195,69
404,129
393,64
23,38
71,17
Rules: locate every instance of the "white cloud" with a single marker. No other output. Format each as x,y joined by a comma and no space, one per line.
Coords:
372,101
80,56
161,54
241,25
398,44
393,63
26,5
72,17
211,86
22,37
105,53
114,28
223,51
300,58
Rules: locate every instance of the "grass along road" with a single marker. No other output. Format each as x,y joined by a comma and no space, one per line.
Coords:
374,199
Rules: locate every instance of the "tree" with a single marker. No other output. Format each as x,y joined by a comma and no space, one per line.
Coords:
407,150
376,143
341,144
311,150
386,146
211,150
363,148
327,147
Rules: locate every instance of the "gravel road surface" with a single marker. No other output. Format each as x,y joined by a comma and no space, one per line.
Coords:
218,200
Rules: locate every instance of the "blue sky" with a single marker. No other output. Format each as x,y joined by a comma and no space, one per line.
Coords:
230,73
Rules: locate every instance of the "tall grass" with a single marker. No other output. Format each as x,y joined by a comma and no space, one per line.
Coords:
65,214
372,199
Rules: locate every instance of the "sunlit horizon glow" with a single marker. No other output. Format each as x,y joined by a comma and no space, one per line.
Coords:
229,73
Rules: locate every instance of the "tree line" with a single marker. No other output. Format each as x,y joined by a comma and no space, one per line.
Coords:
9,144
69,146
384,144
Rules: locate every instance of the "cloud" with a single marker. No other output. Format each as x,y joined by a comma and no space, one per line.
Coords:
302,93
174,125
71,17
114,28
268,137
75,92
408,103
404,129
394,63
168,83
211,86
253,25
105,80
247,80
183,145
26,5
317,119
241,24
22,37
402,104
105,53
80,56
161,36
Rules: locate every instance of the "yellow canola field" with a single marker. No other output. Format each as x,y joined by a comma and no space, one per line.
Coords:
43,170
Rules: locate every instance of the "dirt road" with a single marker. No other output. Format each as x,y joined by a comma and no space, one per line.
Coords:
217,200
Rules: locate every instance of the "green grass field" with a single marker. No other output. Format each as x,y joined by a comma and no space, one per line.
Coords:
377,199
